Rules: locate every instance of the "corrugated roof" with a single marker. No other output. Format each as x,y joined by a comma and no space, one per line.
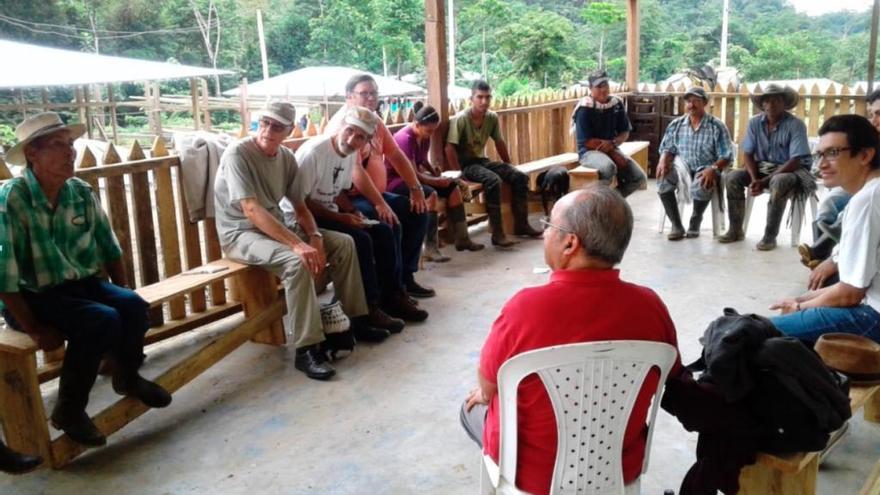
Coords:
33,66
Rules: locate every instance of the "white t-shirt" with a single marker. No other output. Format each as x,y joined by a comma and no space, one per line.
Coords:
859,257
322,175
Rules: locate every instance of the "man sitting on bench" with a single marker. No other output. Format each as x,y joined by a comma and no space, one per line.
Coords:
255,174
601,125
55,244
848,155
466,151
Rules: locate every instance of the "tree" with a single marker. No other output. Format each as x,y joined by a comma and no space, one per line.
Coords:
483,19
602,15
207,26
399,30
539,46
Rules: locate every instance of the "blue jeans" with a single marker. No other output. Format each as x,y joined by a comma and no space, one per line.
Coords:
410,233
809,324
96,318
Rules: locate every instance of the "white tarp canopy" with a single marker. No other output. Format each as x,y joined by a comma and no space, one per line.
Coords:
323,82
28,66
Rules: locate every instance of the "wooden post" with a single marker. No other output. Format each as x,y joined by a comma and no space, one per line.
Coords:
194,95
437,72
243,108
632,44
206,109
87,107
111,100
21,404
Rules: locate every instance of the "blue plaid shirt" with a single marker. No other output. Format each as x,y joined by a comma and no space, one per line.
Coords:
700,147
788,141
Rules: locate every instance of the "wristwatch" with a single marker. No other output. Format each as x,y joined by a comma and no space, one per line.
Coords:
316,234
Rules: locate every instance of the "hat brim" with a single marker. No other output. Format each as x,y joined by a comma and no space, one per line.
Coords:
15,155
599,82
789,98
274,116
698,95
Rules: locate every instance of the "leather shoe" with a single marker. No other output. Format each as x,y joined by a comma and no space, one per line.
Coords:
400,306
366,333
137,387
79,427
416,290
310,361
380,319
14,463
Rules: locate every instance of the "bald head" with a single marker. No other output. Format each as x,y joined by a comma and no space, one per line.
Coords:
600,218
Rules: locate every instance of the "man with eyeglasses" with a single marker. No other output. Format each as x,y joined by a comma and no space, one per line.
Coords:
826,227
407,216
255,173
849,156
584,301
325,174
777,159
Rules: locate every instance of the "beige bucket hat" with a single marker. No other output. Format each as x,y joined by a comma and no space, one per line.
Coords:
35,126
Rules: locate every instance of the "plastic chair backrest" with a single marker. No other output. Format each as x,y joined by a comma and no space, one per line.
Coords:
593,388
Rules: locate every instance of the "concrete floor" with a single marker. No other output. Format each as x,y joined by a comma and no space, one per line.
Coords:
389,422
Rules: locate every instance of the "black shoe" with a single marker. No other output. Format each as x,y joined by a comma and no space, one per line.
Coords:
14,463
310,361
137,387
366,333
380,319
79,427
416,290
400,306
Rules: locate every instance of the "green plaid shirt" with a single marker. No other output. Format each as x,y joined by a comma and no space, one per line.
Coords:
41,247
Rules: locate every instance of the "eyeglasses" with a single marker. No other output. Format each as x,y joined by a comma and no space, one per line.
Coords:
546,223
367,94
831,154
273,126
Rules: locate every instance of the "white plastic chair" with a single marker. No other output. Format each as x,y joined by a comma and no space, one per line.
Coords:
797,210
593,388
718,220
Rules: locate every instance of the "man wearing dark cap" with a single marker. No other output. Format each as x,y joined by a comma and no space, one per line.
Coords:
695,150
601,125
777,158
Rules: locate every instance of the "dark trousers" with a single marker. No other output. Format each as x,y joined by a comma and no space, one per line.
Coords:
410,233
492,174
378,256
96,318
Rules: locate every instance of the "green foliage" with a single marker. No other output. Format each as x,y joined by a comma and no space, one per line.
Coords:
539,46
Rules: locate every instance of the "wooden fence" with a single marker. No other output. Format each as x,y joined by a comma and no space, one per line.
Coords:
534,127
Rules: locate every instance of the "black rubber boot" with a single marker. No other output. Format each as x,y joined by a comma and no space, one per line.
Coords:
13,462
775,211
736,212
432,247
458,220
78,373
499,240
670,205
693,230
521,226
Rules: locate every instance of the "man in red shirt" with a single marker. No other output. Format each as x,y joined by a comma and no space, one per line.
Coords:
585,301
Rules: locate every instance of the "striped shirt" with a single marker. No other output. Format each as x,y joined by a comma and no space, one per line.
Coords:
41,247
700,147
787,141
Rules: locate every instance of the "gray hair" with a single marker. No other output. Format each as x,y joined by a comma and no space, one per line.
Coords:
602,220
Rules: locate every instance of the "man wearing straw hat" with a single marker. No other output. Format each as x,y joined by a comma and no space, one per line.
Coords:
777,159
56,244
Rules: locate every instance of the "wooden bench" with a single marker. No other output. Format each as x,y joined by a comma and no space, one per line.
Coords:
796,474
180,301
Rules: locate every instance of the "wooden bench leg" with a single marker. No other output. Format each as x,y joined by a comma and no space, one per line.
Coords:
21,405
257,290
759,479
872,408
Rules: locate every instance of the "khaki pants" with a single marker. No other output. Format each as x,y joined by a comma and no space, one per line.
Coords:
303,311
